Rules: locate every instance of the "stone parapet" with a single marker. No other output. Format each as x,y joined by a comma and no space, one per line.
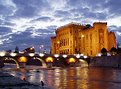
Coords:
106,61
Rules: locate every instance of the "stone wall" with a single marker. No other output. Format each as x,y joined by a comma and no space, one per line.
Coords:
106,61
1,64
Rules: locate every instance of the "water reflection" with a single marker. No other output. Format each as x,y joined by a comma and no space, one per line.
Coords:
74,77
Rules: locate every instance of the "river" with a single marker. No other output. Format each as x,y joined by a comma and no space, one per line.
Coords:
71,77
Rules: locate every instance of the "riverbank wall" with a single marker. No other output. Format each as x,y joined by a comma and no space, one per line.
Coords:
106,61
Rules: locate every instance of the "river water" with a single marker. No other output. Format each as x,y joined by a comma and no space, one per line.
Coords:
71,77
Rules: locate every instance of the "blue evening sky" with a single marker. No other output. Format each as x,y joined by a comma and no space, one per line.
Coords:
26,23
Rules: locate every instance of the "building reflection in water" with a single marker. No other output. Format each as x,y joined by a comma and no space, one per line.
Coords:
74,78
36,77
57,77
68,78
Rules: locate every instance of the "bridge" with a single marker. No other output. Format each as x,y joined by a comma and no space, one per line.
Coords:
47,60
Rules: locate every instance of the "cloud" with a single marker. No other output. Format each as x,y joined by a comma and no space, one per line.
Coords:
4,30
62,13
43,18
33,22
30,8
117,31
6,10
4,35
114,7
24,40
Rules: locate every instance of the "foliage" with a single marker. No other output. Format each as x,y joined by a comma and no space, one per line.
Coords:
104,51
113,51
16,50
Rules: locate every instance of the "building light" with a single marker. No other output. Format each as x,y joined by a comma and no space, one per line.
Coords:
99,54
2,54
85,56
81,54
32,48
58,42
56,55
13,54
82,36
22,59
71,60
64,56
31,54
77,56
49,59
41,54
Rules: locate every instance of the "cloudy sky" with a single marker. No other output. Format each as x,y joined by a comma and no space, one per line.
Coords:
26,23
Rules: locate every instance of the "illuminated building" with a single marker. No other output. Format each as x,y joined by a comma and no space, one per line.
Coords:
29,50
75,38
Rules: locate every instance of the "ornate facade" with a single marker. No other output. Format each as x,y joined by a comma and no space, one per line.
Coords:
76,38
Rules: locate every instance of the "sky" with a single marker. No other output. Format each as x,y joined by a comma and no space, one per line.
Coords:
26,23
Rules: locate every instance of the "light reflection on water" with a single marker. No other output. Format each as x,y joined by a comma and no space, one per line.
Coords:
73,77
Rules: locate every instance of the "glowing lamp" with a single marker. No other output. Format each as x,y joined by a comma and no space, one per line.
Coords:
77,56
82,36
13,54
2,54
85,56
31,48
31,54
64,56
58,42
99,54
81,54
71,60
41,54
49,59
22,59
56,55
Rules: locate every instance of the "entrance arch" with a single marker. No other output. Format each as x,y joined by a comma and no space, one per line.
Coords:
17,65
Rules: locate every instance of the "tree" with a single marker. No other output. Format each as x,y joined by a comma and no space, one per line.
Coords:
104,51
113,51
1,63
16,49
87,26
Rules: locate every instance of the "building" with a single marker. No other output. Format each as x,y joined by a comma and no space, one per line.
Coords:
75,38
29,50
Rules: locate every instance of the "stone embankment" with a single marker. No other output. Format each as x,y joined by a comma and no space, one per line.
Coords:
10,82
106,61
1,64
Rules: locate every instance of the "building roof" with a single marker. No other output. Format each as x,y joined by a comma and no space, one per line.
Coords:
69,25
